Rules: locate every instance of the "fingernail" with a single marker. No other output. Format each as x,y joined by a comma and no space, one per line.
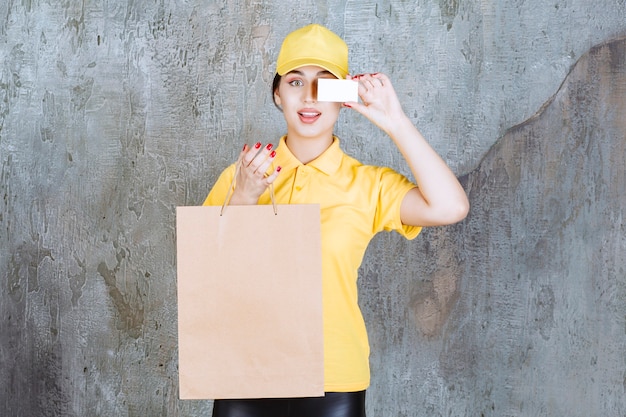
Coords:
257,145
278,168
245,147
269,146
347,105
273,154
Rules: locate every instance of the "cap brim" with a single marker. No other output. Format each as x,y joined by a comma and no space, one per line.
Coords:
302,62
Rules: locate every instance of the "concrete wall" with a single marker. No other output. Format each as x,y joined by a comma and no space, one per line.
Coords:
113,113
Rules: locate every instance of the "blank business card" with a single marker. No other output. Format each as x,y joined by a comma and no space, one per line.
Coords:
337,90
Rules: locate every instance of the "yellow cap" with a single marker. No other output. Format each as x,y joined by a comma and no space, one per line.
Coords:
313,45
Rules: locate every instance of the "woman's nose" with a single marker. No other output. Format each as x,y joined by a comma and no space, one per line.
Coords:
311,92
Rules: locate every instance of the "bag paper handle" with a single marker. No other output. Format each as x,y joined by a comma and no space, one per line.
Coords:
232,187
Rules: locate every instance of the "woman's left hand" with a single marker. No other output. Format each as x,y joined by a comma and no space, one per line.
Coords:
380,101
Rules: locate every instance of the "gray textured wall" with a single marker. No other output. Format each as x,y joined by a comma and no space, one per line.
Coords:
113,113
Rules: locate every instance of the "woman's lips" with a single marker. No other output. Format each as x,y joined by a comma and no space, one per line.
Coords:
309,115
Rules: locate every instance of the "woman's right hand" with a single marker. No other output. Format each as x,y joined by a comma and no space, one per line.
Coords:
252,178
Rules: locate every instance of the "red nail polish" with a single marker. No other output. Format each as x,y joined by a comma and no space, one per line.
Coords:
245,147
269,146
257,145
346,105
273,154
278,168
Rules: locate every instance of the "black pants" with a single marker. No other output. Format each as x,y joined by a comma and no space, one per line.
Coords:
333,404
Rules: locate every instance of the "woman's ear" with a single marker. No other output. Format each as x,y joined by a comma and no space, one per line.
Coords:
277,98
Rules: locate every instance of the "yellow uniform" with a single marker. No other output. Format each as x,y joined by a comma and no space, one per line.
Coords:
356,201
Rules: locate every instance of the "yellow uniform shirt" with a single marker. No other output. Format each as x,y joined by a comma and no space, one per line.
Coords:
356,201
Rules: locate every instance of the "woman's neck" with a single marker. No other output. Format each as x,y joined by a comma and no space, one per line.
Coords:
307,149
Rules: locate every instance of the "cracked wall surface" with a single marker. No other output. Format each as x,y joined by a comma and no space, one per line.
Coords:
114,113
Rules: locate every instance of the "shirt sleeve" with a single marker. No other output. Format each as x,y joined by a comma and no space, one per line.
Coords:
217,195
392,190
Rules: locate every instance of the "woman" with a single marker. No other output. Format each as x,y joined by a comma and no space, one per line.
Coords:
356,202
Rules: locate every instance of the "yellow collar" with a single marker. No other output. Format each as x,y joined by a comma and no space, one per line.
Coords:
328,162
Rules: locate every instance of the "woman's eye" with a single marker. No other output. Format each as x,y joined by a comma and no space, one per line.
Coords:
296,83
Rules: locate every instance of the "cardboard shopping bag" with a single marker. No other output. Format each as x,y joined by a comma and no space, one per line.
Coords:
249,301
